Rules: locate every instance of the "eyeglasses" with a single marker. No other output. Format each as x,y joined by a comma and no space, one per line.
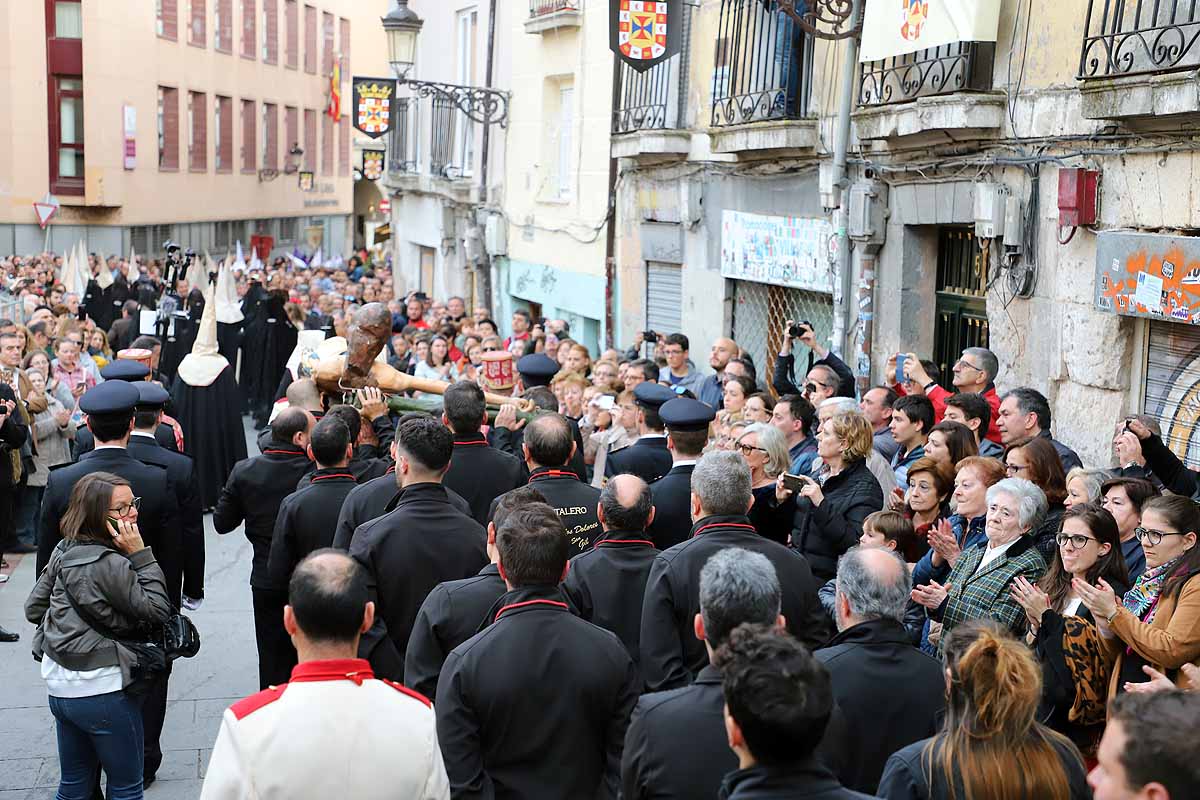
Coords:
1078,541
748,449
1151,536
962,362
1013,469
125,508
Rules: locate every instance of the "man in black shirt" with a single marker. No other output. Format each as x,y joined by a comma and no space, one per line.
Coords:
478,472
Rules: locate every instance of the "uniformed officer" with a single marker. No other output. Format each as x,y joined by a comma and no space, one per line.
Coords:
337,730
421,543
648,457
536,371
478,471
253,494
606,583
123,369
536,704
456,610
364,463
686,421
548,447
110,410
721,497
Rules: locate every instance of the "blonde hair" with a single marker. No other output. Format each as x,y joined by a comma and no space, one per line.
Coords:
856,432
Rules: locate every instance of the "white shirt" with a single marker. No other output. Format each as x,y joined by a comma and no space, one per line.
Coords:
63,682
1071,609
993,553
687,462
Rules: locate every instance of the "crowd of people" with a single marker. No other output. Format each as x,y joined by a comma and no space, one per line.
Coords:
591,574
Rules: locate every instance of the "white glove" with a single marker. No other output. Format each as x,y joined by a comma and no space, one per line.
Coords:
192,604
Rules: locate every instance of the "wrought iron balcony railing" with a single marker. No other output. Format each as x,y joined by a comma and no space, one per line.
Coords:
961,66
650,100
763,64
540,8
402,145
1130,37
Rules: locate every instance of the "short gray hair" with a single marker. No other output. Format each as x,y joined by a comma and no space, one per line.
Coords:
1092,480
987,361
721,480
839,405
770,439
1031,499
871,595
737,586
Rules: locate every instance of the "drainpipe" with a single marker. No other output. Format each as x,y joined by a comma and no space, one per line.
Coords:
483,267
841,299
610,238
866,309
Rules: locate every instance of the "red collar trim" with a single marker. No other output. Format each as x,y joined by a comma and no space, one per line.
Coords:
284,453
555,603
623,541
331,476
335,669
391,470
471,440
553,473
741,525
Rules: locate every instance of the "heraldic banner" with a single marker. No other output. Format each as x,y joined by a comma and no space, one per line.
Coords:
895,27
372,164
374,99
643,33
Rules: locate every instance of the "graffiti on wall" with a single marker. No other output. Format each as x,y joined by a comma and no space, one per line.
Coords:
1145,275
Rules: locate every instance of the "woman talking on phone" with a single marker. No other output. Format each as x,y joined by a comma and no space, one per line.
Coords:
100,575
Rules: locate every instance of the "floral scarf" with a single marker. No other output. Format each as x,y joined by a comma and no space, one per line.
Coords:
1142,599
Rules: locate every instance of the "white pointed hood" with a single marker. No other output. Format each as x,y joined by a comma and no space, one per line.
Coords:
229,305
202,366
197,274
104,278
131,269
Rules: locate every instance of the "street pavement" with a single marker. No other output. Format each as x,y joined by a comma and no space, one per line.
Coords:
224,671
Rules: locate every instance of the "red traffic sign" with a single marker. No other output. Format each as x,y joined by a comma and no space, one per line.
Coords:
385,206
44,212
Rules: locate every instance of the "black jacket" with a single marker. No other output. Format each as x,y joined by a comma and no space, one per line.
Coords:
535,705
606,584
510,441
155,515
481,473
253,494
452,613
575,501
672,507
13,434
85,442
365,465
190,520
671,655
892,694
1164,466
306,522
422,542
648,458
823,533
805,779
783,380
372,500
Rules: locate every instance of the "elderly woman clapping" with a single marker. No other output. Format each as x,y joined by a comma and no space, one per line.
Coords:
980,585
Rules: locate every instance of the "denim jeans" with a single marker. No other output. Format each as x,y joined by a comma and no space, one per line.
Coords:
104,729
29,503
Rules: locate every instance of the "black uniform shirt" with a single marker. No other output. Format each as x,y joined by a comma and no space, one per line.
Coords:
307,520
671,653
253,493
606,584
85,442
452,613
535,705
576,503
672,507
372,500
648,458
481,473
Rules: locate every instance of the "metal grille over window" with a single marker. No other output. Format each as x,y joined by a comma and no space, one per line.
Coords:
442,150
760,312
762,65
1128,38
402,153
961,320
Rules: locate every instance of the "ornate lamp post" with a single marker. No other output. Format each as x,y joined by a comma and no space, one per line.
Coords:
825,19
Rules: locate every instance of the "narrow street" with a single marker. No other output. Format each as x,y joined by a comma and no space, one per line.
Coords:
225,670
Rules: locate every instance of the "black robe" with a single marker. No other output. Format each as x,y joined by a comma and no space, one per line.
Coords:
251,362
274,337
212,430
104,305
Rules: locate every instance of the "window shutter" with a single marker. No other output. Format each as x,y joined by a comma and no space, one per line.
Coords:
249,28
248,142
310,140
326,145
292,22
271,136
170,126
168,18
343,126
310,39
198,158
225,34
225,134
291,130
344,47
197,32
327,41
271,31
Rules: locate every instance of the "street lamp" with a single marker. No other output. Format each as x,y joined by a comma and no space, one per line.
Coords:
824,19
402,25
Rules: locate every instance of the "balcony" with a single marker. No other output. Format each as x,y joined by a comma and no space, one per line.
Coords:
549,15
402,144
762,81
941,91
1138,59
646,120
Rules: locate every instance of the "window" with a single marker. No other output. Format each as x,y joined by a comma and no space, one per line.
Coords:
566,121
344,45
68,19
262,227
326,145
270,31
197,132
291,46
270,135
223,25
287,229
327,41
466,29
310,140
310,40
167,18
67,135
291,133
168,128
343,126
248,147
249,29
196,31
222,235
223,109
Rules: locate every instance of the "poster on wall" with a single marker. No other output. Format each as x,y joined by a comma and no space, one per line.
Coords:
783,251
1147,275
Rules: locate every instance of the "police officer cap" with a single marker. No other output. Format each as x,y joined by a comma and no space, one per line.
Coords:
111,397
123,369
537,369
151,396
652,394
685,414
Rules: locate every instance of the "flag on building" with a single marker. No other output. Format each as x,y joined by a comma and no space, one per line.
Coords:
335,91
896,27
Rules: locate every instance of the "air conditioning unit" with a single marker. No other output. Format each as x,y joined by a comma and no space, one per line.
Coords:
495,236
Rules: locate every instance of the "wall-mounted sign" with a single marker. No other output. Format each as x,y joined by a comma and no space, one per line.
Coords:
385,206
129,119
372,164
307,181
783,251
1147,275
643,33
373,99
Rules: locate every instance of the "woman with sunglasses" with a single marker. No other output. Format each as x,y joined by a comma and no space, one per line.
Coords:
101,573
1157,622
1063,631
765,451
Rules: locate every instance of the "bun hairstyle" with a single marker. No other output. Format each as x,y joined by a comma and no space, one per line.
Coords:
992,745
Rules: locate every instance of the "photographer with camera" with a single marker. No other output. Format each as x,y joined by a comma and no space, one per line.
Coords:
827,376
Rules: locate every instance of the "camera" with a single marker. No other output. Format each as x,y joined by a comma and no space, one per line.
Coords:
649,336
798,329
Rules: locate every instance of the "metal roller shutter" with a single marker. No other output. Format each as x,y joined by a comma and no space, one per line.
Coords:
664,297
1173,386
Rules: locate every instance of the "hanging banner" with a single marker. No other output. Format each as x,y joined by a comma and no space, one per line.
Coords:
895,27
643,33
372,164
783,251
373,99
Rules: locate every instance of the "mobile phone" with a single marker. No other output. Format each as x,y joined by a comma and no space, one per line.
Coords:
793,482
114,522
900,359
